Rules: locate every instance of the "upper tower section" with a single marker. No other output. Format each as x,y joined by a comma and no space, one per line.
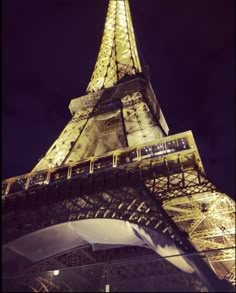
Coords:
118,55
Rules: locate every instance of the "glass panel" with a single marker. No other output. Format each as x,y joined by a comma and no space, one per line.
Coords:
18,185
171,146
182,144
59,175
105,162
147,151
81,168
127,157
37,179
157,149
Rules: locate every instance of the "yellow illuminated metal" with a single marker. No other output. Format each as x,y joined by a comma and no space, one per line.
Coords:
208,217
209,220
118,54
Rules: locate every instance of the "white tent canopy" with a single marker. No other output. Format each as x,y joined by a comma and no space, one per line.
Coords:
101,234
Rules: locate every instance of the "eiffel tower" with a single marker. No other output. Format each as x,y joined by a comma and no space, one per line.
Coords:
137,199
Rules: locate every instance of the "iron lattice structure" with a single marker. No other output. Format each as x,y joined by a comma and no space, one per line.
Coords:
118,54
113,160
143,272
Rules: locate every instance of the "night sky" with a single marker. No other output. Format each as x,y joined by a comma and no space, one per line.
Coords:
50,49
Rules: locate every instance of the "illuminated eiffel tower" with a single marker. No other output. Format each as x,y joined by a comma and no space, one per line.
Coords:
115,177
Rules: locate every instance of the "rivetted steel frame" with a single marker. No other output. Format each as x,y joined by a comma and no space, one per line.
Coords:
103,197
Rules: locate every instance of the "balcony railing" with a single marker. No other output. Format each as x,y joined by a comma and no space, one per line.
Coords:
161,148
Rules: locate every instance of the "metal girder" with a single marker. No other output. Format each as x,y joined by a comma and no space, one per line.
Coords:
72,203
101,204
209,220
118,54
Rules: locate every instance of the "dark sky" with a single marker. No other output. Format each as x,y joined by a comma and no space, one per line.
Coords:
50,49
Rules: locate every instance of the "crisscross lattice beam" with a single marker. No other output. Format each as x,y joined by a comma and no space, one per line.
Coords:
118,54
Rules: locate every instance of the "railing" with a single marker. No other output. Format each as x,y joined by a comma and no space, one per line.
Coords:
160,148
